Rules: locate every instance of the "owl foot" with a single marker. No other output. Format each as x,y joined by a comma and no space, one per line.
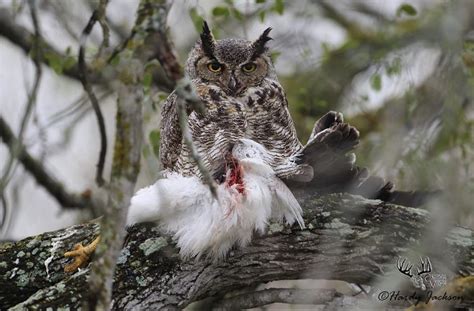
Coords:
328,120
81,255
336,140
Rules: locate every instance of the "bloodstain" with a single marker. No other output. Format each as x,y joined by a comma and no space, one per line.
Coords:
235,176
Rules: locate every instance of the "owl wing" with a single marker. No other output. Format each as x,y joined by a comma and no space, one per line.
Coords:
171,136
328,151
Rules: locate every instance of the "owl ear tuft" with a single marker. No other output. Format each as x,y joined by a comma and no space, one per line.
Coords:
207,40
258,46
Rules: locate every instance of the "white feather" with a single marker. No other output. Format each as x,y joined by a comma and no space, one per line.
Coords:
184,206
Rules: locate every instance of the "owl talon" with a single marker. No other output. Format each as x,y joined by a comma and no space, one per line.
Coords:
81,255
329,120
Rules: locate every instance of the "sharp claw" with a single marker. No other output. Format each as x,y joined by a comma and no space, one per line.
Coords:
81,255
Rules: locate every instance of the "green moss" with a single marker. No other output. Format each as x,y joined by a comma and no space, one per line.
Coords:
152,245
343,228
22,278
123,256
122,148
275,227
61,287
141,281
135,264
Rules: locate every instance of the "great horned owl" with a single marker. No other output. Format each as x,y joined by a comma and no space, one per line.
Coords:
236,81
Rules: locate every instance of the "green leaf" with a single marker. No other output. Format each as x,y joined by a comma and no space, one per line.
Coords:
220,11
261,15
395,67
279,6
69,62
146,151
154,138
407,9
237,14
260,1
116,60
197,19
55,62
376,82
274,55
152,64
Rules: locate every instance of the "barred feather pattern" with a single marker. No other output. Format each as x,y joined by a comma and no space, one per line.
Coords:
260,113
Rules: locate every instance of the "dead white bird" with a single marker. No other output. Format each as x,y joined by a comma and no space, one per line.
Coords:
250,196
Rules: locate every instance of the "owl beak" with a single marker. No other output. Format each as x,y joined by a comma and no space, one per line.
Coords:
233,85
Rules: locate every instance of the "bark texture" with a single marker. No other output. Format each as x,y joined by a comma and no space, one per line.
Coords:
347,238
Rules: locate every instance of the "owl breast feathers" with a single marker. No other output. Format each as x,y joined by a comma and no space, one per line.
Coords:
236,81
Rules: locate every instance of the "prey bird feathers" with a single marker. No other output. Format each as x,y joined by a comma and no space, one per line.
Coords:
183,205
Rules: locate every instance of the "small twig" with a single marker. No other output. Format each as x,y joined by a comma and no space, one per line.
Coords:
40,174
15,148
278,295
188,140
103,24
95,103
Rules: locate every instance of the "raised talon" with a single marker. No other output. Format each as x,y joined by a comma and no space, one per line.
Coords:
81,255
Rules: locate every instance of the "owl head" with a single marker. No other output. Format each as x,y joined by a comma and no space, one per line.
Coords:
233,65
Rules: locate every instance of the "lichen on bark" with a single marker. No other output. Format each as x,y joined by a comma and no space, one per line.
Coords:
347,238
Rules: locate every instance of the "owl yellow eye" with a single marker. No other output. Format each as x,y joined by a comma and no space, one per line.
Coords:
214,67
249,67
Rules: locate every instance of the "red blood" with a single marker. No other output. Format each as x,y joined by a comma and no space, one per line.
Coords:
235,176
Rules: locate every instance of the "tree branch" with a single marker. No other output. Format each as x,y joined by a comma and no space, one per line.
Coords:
22,38
90,92
347,238
42,177
31,98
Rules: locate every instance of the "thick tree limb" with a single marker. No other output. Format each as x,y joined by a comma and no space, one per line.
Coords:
347,238
125,168
277,295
